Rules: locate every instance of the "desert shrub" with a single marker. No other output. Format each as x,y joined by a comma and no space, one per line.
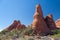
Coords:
13,32
21,30
3,32
29,31
56,31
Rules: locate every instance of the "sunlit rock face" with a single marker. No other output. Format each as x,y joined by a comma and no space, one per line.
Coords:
58,23
22,26
16,25
50,22
38,24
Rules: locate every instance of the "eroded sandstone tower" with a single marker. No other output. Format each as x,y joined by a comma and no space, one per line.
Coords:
39,25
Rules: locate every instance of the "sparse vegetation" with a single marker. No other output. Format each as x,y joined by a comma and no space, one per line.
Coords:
13,34
29,30
56,33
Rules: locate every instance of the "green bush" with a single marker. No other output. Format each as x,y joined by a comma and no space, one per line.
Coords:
56,33
3,32
29,31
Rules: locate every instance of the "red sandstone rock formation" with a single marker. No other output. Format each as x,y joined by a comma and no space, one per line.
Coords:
58,23
16,25
50,22
39,24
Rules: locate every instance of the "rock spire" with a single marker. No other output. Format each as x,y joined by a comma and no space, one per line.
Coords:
39,25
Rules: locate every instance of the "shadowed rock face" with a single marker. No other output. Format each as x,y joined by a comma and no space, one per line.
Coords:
58,23
39,24
50,22
16,25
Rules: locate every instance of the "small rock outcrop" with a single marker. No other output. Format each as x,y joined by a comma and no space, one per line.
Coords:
39,25
16,25
58,23
50,22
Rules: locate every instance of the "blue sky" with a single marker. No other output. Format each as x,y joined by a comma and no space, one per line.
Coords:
23,10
